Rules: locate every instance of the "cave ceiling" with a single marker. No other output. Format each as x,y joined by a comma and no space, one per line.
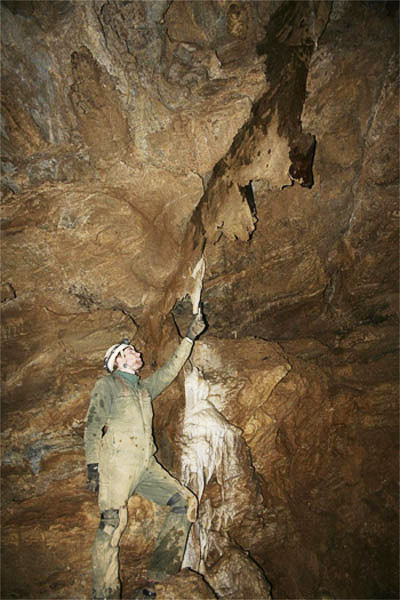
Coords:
139,136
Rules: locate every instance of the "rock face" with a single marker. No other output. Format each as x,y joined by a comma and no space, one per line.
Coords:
138,137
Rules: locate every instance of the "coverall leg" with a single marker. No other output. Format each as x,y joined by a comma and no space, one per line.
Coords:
120,478
159,486
118,475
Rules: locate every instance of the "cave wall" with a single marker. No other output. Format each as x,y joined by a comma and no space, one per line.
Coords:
136,138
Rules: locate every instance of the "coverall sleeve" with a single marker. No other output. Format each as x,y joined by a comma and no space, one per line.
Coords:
156,383
96,418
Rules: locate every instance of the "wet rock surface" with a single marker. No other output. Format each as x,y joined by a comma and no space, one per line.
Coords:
136,138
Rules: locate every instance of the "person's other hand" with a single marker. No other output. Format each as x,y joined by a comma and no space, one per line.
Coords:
93,477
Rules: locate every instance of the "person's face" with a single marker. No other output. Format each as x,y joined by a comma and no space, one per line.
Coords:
131,358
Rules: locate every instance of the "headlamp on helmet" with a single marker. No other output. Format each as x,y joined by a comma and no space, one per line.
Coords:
112,353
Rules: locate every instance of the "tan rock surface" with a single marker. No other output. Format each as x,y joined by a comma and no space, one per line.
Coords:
137,137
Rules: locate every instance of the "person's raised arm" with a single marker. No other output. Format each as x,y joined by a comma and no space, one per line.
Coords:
161,379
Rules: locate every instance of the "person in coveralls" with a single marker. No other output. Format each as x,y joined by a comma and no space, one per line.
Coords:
120,460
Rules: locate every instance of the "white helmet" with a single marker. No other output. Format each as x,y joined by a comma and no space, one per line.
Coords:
112,353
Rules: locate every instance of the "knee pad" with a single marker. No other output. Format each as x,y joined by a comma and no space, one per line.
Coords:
113,522
178,503
109,520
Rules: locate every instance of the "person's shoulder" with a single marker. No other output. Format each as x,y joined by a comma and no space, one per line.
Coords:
104,381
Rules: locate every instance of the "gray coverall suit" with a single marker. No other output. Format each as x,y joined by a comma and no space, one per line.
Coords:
118,436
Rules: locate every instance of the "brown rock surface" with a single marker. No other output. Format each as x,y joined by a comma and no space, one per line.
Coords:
137,137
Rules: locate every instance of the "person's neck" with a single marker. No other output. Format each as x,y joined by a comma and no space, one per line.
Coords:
127,370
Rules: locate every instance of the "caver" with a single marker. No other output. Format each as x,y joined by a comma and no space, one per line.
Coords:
120,461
